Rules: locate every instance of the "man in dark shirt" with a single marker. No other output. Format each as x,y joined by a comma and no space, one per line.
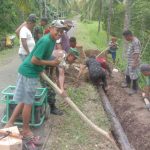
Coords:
96,73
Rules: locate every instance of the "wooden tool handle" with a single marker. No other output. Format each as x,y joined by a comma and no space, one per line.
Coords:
82,116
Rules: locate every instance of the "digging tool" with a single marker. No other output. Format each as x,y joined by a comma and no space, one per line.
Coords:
102,52
75,108
147,103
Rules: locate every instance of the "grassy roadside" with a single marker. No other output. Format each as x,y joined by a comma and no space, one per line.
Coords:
88,36
71,133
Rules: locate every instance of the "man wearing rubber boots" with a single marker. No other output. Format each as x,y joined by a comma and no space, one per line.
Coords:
133,62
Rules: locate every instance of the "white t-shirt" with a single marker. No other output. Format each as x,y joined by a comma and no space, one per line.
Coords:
26,33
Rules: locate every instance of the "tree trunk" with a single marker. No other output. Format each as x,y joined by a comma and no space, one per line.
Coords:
45,9
109,20
126,24
127,14
100,15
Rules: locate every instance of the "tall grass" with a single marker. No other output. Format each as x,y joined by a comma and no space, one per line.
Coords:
88,36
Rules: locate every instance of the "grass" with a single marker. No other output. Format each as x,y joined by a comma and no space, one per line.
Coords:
73,133
88,36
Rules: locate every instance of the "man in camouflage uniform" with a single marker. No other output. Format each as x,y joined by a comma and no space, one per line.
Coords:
133,62
38,31
50,94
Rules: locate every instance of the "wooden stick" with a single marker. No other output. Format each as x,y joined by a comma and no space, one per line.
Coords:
82,116
147,103
102,52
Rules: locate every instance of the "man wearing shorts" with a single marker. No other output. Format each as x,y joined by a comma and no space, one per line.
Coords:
133,62
29,72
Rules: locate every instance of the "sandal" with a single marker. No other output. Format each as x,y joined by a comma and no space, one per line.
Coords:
29,146
36,140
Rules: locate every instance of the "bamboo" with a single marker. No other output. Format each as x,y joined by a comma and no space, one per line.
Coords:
82,116
102,52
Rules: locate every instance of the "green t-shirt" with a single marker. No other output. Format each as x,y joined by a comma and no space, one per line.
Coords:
42,50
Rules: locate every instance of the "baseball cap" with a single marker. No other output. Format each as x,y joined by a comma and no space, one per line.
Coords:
75,52
32,18
58,24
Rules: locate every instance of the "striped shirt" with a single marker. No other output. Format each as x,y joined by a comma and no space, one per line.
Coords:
134,47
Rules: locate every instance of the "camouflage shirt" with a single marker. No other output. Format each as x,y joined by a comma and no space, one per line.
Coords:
36,31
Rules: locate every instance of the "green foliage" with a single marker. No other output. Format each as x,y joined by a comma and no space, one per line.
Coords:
88,37
8,16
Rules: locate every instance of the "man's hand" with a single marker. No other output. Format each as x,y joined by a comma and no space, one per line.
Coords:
54,62
64,94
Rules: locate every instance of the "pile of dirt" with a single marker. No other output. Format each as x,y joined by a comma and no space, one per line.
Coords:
131,112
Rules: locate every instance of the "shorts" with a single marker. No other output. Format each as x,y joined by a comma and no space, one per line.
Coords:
22,57
25,89
132,73
113,54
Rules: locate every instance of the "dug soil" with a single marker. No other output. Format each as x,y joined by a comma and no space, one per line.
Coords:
69,132
133,116
131,111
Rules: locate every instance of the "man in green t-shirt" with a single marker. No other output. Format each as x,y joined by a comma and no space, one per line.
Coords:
29,72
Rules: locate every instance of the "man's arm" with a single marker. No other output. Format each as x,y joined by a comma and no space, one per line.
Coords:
24,44
82,67
61,78
40,62
135,59
19,28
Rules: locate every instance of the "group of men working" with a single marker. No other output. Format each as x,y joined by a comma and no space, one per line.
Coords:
36,52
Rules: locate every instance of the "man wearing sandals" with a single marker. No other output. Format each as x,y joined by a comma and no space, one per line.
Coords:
133,62
29,72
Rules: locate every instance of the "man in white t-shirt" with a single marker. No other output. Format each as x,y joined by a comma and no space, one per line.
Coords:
27,42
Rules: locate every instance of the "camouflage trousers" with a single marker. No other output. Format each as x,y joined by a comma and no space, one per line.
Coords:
50,94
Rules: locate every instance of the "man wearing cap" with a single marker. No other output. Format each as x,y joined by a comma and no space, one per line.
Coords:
27,42
65,60
28,77
65,38
38,31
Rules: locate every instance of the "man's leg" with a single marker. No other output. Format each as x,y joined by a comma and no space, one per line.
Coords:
127,82
104,80
134,80
26,114
15,114
51,98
